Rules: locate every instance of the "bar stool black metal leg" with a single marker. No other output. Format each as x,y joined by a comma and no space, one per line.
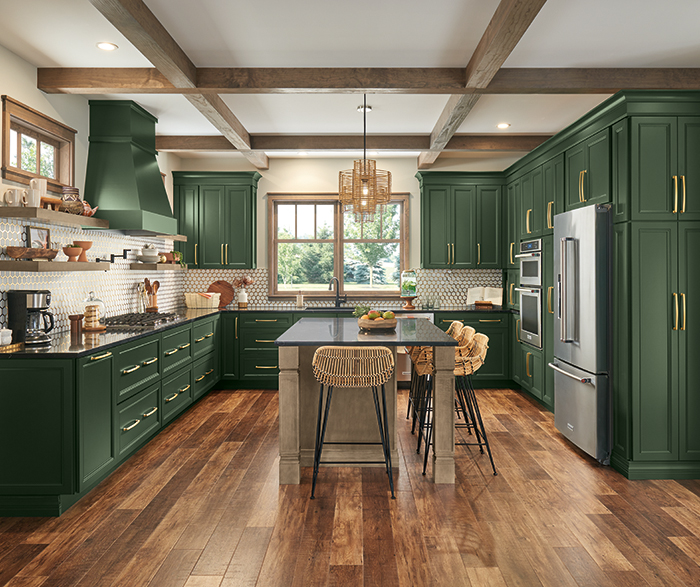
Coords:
463,393
319,447
428,439
412,395
387,445
477,411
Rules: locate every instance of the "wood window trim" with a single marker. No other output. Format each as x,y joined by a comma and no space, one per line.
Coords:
51,131
306,198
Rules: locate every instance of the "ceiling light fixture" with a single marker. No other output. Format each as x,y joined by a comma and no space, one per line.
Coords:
364,187
503,125
105,46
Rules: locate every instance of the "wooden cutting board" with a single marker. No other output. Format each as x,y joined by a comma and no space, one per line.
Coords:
225,289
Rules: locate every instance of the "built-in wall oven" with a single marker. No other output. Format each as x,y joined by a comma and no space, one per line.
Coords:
530,291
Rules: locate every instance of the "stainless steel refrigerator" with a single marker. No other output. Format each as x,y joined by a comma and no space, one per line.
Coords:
582,400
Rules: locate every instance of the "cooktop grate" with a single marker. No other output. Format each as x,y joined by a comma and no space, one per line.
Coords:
136,321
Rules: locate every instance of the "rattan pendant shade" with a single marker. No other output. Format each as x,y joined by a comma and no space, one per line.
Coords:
364,187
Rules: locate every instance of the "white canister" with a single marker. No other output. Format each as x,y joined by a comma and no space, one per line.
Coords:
242,298
5,337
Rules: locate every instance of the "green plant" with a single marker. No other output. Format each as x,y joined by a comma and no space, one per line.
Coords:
360,311
177,257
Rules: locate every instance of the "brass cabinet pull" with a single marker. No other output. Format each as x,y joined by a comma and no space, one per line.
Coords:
170,398
675,299
275,320
683,297
135,368
259,367
131,425
222,253
209,372
449,321
236,327
448,254
478,251
103,356
150,361
489,320
550,205
583,191
171,352
453,253
580,184
184,346
264,340
527,364
183,389
675,195
226,253
512,245
517,329
199,339
195,253
153,411
510,295
199,378
683,208
209,335
550,290
527,220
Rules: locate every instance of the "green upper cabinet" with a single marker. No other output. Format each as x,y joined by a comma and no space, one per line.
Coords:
513,195
216,211
587,171
665,177
532,205
553,193
461,221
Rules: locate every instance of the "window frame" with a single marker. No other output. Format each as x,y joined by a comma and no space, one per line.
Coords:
25,120
273,199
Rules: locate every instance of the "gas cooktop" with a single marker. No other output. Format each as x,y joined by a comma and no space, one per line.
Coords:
136,321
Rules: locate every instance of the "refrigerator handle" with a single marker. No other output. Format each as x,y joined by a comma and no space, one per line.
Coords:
567,321
579,379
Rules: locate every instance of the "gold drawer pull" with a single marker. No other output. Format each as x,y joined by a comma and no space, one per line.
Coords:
131,369
527,364
153,411
131,425
199,339
184,346
183,389
517,329
489,320
550,289
449,321
549,214
170,398
209,335
103,356
209,372
171,352
527,220
512,262
275,320
510,295
264,340
259,367
150,361
199,379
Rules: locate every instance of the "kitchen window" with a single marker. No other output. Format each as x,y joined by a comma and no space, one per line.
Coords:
35,145
313,240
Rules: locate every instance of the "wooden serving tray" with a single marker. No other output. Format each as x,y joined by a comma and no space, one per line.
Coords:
31,253
378,327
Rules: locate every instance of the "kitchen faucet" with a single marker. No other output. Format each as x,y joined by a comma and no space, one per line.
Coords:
337,291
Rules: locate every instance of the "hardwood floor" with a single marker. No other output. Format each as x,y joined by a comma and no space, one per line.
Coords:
200,507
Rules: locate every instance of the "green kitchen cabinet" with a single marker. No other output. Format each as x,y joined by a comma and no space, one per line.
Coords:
532,205
553,193
548,319
532,371
664,175
488,227
176,393
587,171
258,353
229,345
512,242
511,297
205,336
138,418
514,346
217,213
176,349
95,411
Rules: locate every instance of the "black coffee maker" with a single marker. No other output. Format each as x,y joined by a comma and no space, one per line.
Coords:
28,316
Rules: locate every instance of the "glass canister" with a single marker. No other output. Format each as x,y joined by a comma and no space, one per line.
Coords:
408,283
98,313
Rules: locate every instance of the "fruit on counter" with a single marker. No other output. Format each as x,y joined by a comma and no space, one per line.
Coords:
388,315
373,314
379,319
365,317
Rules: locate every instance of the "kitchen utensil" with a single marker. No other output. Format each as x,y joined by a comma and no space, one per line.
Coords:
85,245
147,284
225,289
155,286
72,253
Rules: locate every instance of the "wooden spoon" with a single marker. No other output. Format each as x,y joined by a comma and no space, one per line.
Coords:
147,282
155,286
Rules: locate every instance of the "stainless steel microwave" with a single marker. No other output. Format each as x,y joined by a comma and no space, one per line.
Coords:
530,257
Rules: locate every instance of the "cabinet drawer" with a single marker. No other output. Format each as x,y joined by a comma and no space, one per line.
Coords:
203,337
205,374
177,393
137,419
136,365
176,349
259,365
263,320
257,338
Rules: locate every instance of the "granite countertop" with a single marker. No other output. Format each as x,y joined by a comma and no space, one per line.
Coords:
346,332
394,307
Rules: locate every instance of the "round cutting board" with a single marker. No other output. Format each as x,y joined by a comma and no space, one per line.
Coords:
225,289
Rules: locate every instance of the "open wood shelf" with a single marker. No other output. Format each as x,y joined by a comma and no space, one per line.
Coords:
52,217
50,266
157,267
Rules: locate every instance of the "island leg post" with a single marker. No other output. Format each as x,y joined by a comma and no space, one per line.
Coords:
289,388
443,416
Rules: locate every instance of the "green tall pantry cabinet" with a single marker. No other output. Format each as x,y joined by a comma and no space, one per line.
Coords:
216,212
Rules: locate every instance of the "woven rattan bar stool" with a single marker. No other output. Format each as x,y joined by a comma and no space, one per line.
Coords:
352,367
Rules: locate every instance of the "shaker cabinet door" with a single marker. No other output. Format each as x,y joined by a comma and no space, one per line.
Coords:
464,252
437,221
212,220
688,168
488,227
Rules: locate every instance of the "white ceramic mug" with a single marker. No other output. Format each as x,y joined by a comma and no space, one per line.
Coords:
32,198
14,197
38,184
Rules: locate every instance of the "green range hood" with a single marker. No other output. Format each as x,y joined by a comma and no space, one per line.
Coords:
123,177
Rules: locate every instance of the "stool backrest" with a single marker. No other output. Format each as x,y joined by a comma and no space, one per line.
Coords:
347,366
474,357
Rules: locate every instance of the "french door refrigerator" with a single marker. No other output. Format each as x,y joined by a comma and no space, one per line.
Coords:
582,400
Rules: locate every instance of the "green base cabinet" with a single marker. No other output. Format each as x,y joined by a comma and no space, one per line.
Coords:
229,345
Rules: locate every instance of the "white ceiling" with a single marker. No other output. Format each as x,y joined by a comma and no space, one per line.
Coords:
364,33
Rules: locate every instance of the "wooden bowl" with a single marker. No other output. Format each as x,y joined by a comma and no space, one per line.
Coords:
72,253
31,253
376,326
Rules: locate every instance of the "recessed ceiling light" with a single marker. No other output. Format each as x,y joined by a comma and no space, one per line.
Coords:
503,125
105,46
361,108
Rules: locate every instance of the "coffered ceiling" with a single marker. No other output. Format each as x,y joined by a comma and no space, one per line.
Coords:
272,77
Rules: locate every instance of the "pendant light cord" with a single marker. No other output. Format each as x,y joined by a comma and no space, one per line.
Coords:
364,129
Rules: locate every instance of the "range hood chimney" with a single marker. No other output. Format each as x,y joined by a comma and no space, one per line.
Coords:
123,177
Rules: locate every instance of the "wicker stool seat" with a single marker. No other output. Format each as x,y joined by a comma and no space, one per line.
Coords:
352,367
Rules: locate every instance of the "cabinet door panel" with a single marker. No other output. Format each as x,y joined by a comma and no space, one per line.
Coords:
553,193
239,236
548,318
652,167
575,163
464,237
688,168
596,180
689,340
212,220
488,230
186,206
654,342
230,344
437,228
513,236
526,204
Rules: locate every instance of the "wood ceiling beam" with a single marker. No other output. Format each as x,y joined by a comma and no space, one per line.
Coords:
144,31
508,24
343,143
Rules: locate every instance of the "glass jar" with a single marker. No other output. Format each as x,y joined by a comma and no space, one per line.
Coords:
408,283
91,300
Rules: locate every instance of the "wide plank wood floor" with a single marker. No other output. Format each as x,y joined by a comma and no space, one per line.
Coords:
200,506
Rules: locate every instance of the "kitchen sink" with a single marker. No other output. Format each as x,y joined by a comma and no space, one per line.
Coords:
320,309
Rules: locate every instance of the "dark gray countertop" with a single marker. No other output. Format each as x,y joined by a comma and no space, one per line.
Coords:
346,332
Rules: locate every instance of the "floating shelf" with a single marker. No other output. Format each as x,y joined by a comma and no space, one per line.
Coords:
157,267
53,217
51,266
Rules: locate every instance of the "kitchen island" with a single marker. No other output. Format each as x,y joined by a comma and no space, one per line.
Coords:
352,413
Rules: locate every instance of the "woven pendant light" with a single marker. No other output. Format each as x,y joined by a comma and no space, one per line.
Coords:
364,188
